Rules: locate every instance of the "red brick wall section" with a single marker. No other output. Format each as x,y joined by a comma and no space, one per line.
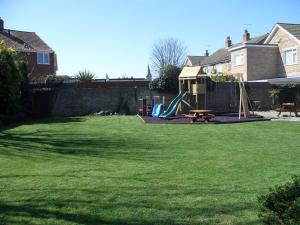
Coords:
36,70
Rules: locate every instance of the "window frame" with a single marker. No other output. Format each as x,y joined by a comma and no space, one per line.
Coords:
235,56
219,65
293,51
43,57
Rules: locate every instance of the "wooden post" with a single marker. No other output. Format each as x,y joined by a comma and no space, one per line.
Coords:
197,94
243,98
205,92
180,90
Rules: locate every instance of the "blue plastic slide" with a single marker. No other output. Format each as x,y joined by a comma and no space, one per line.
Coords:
171,110
156,110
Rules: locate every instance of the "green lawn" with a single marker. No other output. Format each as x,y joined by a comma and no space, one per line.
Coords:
117,170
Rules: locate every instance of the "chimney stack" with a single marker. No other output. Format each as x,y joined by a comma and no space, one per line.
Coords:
246,36
227,42
1,24
206,53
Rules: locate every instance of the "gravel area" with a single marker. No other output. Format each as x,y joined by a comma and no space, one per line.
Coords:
285,116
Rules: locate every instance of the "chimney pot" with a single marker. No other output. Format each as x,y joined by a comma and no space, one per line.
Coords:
227,42
246,36
1,24
206,53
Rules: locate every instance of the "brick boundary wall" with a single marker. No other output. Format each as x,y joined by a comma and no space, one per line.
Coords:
78,100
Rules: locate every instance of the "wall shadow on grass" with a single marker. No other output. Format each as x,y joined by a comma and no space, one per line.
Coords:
37,143
12,212
55,120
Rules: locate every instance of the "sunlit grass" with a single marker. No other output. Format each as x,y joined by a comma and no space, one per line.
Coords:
117,170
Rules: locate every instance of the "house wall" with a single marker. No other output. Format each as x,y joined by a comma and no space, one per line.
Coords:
36,70
284,40
241,69
263,63
226,68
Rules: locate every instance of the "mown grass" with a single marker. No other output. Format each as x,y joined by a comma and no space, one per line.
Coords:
117,170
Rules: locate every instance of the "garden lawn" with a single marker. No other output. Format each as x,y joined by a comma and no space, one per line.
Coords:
118,170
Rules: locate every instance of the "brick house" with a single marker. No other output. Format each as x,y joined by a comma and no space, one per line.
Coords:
270,56
275,58
220,60
41,59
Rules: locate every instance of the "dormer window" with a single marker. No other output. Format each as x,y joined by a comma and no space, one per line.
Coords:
43,58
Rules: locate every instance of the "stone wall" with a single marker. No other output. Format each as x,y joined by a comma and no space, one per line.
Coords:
75,101
224,97
71,100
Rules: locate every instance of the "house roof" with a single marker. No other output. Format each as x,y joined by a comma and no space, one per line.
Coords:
196,60
23,41
221,55
290,28
294,29
255,40
282,80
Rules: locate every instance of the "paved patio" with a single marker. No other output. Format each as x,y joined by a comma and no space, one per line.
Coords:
272,114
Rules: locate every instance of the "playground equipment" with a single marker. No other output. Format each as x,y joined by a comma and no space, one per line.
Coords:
157,106
151,106
171,110
145,108
194,83
244,98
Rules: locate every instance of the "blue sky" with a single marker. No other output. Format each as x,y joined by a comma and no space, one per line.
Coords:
116,36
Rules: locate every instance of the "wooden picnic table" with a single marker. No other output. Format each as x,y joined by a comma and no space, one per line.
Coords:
205,114
287,107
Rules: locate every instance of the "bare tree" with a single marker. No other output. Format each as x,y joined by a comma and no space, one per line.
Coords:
165,52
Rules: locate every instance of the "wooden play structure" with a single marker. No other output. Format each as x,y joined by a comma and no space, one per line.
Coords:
192,81
195,84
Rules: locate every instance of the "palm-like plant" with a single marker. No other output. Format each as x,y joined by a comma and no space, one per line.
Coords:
85,76
274,95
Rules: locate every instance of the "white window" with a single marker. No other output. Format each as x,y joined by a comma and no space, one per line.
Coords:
219,68
43,58
290,56
239,59
206,69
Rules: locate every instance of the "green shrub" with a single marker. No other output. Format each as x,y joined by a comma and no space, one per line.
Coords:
12,72
85,76
288,93
50,78
223,78
282,205
167,80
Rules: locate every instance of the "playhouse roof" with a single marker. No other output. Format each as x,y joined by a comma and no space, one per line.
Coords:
190,72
